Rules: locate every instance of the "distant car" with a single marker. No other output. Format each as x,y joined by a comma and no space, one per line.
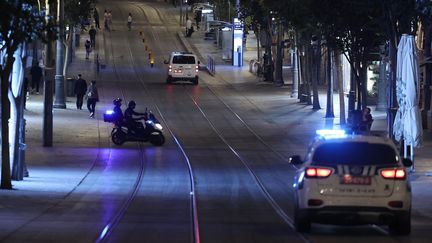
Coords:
352,179
182,66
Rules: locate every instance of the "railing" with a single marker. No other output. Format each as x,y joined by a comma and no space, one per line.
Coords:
211,65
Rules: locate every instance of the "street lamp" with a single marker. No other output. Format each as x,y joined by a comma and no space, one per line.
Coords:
60,99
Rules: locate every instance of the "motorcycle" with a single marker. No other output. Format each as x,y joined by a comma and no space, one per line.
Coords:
150,132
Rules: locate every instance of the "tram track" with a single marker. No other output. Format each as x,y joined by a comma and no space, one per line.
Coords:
114,221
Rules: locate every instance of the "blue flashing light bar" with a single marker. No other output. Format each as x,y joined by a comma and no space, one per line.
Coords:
331,133
109,112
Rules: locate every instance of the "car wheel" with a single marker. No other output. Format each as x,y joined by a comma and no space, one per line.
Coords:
302,222
118,137
401,225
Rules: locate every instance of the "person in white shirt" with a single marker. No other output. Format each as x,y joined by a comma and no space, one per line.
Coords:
188,27
129,21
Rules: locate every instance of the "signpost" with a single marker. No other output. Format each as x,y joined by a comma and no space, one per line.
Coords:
237,56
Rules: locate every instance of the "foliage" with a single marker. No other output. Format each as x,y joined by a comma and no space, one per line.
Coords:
22,22
77,10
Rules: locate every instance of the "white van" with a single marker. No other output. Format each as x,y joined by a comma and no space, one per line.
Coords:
182,66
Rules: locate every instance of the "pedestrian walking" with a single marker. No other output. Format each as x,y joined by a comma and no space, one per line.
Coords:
36,74
80,90
129,21
198,14
188,27
92,97
106,22
96,18
92,34
110,20
88,48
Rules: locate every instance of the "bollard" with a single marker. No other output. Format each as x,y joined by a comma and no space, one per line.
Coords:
143,40
140,32
146,47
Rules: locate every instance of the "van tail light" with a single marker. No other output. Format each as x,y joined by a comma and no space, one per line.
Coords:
169,68
196,68
393,173
315,172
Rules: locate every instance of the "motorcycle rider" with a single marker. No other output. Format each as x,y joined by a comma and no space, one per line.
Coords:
132,121
118,113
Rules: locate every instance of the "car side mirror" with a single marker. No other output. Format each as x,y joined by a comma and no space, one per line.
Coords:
407,162
295,160
199,62
166,62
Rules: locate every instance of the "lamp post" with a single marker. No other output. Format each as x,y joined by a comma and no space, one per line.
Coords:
47,127
60,99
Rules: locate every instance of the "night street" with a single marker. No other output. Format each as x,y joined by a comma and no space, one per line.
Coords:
221,176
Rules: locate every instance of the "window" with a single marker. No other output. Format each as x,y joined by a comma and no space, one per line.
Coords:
354,153
183,59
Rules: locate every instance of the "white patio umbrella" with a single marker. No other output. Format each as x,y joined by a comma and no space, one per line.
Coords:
400,91
413,129
409,125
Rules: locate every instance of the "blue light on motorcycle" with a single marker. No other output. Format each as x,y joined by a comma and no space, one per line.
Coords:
109,112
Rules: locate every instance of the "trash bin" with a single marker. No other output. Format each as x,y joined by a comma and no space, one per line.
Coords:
70,85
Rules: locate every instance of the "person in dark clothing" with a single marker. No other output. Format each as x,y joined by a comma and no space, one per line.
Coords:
92,97
131,119
198,14
96,18
118,113
92,33
36,74
25,90
80,90
88,48
367,119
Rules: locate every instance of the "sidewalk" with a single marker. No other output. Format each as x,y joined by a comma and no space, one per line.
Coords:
53,171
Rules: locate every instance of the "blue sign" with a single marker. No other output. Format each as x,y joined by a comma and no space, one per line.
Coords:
237,56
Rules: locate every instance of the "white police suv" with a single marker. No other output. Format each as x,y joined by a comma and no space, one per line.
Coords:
351,180
182,66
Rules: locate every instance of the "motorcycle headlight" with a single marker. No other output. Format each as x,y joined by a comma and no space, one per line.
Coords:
158,126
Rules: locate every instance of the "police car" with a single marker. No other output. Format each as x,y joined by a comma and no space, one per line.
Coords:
351,180
182,66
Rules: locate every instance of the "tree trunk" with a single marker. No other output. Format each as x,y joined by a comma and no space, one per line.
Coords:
428,70
5,115
330,80
295,69
339,79
308,72
316,62
279,60
363,82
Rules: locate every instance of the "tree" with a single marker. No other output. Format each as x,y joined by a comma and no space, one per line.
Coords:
21,22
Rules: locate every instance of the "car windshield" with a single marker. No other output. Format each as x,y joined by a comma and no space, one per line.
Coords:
354,153
183,60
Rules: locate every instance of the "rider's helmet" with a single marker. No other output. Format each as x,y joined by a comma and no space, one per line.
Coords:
132,104
117,102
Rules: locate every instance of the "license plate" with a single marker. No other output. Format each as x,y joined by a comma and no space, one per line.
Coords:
355,180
